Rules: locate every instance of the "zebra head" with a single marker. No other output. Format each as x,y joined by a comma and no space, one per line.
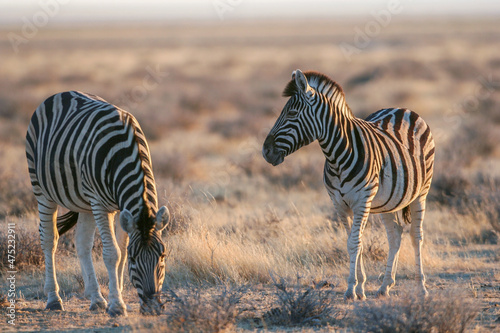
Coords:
297,125
146,256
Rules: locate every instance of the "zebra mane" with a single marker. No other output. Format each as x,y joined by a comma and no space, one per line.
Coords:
318,81
149,208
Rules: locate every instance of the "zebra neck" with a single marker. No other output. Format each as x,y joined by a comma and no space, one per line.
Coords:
133,186
340,139
142,209
132,198
133,179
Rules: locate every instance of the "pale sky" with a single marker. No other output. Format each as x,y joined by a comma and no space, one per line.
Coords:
12,12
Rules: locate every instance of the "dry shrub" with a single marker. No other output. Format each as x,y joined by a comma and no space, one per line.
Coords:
477,196
297,305
449,187
28,251
196,310
465,193
448,311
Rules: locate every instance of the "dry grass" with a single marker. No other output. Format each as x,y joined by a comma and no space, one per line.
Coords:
247,248
443,312
237,219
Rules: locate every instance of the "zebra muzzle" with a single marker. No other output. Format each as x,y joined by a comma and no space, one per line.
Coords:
271,153
151,306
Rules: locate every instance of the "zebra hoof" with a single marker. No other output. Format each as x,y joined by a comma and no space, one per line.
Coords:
98,305
116,312
360,297
382,293
55,305
349,296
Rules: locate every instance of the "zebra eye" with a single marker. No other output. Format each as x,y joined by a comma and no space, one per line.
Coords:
132,260
293,113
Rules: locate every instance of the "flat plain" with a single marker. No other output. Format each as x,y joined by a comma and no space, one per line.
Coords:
246,238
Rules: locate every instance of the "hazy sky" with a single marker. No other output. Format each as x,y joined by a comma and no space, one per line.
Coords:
13,12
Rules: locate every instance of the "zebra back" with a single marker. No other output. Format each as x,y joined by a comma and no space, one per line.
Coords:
82,149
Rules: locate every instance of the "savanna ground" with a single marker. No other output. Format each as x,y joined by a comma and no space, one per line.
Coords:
252,246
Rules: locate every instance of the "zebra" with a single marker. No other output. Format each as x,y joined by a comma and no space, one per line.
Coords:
92,158
383,164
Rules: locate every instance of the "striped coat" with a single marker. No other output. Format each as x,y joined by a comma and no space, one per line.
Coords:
383,164
92,158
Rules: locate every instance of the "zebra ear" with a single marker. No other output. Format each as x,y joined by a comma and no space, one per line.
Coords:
127,221
301,82
162,218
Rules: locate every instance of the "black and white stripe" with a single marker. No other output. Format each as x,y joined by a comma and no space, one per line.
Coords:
92,158
383,164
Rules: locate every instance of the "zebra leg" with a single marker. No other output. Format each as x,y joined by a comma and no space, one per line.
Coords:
417,209
361,276
344,214
122,239
354,249
49,237
85,231
394,231
111,255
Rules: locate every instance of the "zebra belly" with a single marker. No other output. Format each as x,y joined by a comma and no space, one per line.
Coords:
392,192
395,190
386,200
62,184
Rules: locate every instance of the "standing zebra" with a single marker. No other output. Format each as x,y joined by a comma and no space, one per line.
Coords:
92,158
383,164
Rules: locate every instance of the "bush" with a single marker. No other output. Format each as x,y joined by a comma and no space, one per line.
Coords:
198,311
447,311
28,251
299,306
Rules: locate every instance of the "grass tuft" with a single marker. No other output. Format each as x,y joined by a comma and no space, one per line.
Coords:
299,306
194,310
443,312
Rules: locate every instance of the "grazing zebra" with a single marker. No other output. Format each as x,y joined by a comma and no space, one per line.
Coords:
92,158
383,164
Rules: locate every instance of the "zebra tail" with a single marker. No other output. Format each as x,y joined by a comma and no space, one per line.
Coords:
66,222
407,215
